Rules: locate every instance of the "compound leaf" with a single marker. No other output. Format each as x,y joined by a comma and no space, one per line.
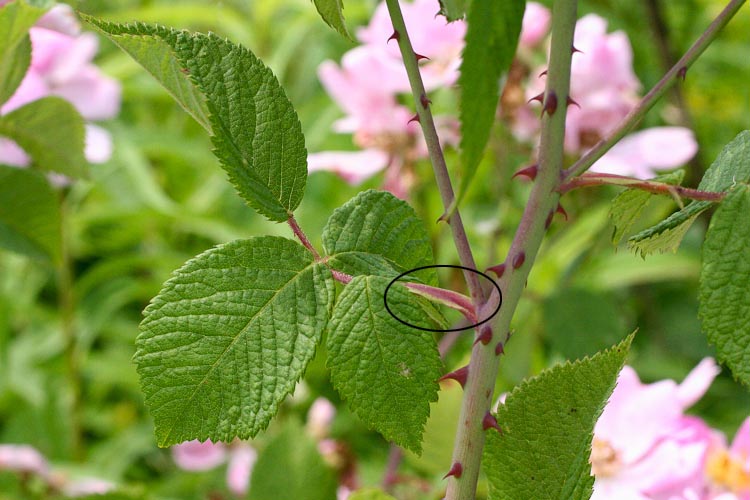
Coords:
725,274
387,371
377,233
543,451
228,336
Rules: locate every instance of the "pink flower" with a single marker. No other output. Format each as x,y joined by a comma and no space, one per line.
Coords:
23,458
430,35
197,456
644,445
88,486
606,89
535,25
728,469
61,65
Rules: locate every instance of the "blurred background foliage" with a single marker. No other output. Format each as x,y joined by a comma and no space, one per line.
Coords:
162,199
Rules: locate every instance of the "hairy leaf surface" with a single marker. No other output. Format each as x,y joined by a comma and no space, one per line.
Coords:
29,214
731,166
491,41
255,131
725,281
332,12
543,451
386,370
377,233
228,336
52,132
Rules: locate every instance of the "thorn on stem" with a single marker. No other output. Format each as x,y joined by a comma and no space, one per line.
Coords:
518,260
490,422
424,101
499,270
419,57
538,97
542,73
485,335
560,210
529,172
456,470
414,118
682,72
499,349
573,49
571,101
395,36
460,375
550,103
444,218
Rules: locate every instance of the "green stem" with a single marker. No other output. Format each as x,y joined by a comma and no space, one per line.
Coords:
670,78
543,200
437,159
66,304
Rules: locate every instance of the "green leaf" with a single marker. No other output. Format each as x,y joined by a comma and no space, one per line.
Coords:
627,206
228,337
13,67
548,423
29,214
724,299
255,131
16,18
290,468
332,13
731,166
157,57
386,370
370,494
453,10
377,233
52,132
491,41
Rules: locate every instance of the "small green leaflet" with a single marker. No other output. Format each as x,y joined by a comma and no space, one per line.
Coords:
13,67
543,452
52,132
385,370
731,166
491,41
29,214
255,131
377,233
332,13
628,205
453,10
229,335
290,468
725,278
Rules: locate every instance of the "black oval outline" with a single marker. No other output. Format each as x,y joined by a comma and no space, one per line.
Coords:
385,299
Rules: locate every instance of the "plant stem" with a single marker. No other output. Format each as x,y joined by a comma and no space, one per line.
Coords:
66,304
670,78
543,201
301,236
600,179
437,159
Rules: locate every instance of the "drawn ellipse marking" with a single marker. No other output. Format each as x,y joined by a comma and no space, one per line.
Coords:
445,330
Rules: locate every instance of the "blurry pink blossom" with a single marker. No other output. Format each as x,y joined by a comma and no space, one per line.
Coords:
605,87
644,446
319,418
61,65
431,36
535,25
23,458
88,486
197,456
728,469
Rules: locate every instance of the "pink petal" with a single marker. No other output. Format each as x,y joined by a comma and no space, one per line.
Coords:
353,166
535,26
23,458
697,382
32,87
319,418
95,96
242,458
60,18
197,456
741,443
12,155
88,486
98,144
